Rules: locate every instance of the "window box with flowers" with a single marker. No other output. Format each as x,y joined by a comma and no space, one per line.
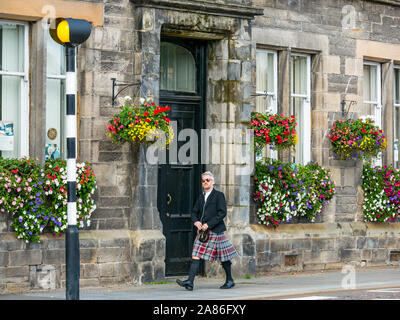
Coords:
36,196
381,186
356,139
143,123
287,191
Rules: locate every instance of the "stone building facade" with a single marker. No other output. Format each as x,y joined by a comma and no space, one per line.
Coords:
131,236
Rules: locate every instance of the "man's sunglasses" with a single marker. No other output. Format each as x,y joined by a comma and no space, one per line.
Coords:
205,180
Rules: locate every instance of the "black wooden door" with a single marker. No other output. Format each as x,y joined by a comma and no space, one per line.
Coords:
179,182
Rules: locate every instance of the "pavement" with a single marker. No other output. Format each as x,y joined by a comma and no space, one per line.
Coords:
267,286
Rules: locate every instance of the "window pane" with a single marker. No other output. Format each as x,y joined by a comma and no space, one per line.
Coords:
298,75
177,68
10,115
265,67
265,71
397,86
370,85
55,57
297,111
55,117
11,47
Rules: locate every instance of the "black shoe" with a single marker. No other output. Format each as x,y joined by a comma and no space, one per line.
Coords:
227,285
186,284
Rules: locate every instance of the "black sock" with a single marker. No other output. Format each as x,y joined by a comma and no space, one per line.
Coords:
194,267
227,267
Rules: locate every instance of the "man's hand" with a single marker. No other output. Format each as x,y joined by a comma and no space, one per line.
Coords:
205,226
198,225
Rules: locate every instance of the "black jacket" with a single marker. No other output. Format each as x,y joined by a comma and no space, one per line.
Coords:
214,211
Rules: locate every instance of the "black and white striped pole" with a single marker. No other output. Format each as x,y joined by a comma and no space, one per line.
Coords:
71,33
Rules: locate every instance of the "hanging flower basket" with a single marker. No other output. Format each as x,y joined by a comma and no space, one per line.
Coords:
275,130
142,123
354,139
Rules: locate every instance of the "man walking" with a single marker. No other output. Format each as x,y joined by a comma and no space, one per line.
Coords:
208,213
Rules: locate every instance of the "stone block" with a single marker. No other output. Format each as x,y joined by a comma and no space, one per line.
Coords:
248,246
90,270
146,250
25,257
322,244
92,282
111,255
106,269
346,200
281,245
347,255
330,256
4,258
372,243
53,257
346,208
17,274
147,275
302,244
88,255
379,255
346,243
234,70
331,64
270,259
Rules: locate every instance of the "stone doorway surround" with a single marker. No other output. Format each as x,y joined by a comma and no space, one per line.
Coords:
226,26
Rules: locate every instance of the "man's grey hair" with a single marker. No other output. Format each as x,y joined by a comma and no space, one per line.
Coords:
208,173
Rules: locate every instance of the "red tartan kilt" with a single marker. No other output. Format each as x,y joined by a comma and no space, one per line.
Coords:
217,248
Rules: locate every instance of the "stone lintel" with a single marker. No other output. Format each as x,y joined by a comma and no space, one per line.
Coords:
395,3
206,7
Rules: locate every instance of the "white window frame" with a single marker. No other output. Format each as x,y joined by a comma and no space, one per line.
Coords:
273,94
24,94
306,110
377,116
395,105
378,104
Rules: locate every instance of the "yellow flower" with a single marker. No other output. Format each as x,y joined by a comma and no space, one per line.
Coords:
295,139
